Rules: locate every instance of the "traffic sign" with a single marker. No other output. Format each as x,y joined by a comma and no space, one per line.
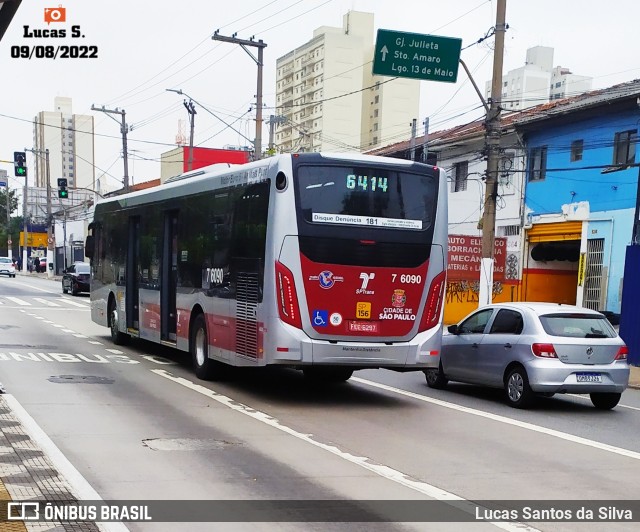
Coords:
418,56
3,183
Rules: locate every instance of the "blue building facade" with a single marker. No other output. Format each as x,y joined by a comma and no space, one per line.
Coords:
582,167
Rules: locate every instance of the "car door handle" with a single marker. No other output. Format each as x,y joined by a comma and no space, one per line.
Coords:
508,345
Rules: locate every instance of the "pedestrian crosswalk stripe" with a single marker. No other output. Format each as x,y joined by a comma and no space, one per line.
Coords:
74,303
43,302
47,302
19,301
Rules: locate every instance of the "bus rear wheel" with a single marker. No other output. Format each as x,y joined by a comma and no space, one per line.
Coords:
204,367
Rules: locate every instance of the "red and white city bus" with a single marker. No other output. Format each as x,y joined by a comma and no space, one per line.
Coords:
323,262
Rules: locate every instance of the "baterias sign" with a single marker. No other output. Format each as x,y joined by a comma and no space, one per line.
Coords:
465,255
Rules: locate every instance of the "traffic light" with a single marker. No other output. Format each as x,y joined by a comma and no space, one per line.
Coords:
62,188
20,163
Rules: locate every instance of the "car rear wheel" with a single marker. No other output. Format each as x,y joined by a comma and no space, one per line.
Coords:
605,401
64,289
519,393
435,377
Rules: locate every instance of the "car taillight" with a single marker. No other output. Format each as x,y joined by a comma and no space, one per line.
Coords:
544,350
433,306
287,299
622,353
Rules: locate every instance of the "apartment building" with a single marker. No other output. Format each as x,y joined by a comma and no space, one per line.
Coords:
327,98
538,82
70,141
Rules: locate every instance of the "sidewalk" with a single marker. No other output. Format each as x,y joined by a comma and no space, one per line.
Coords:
634,378
42,275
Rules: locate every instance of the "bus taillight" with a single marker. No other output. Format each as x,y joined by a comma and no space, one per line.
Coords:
287,298
433,306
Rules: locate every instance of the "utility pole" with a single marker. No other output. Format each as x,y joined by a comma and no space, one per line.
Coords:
191,109
412,150
4,175
124,130
492,147
260,45
25,230
50,233
273,121
64,232
425,141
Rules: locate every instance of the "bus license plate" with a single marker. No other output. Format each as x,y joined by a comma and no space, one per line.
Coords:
588,377
370,327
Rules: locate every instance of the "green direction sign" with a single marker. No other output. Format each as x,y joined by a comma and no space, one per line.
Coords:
413,55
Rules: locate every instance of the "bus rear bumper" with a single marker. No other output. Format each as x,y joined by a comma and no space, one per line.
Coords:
420,353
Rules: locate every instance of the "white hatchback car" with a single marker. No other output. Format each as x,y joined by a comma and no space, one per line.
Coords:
7,267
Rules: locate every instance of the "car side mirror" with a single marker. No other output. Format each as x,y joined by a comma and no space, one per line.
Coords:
453,329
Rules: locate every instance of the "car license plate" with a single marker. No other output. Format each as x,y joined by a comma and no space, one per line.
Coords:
588,377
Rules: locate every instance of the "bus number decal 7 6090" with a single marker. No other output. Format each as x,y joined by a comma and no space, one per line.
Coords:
214,275
407,278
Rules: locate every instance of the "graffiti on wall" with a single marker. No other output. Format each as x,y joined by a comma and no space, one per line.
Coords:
467,291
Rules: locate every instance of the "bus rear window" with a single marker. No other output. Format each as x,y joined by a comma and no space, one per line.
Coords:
372,197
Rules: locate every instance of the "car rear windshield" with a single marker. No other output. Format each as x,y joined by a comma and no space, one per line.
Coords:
577,325
5,260
83,268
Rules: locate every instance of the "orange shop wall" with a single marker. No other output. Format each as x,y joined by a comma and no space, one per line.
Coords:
556,286
462,297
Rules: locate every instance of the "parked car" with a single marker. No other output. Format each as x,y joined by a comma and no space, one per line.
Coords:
534,349
43,264
7,267
76,278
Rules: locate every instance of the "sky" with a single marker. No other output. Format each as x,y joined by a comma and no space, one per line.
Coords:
145,48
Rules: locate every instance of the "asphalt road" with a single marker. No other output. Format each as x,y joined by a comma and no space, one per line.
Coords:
137,424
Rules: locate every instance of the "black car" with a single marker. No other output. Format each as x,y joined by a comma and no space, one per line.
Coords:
76,278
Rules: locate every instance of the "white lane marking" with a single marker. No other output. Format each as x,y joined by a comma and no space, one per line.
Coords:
588,399
501,419
80,336
68,330
115,351
47,302
362,461
78,484
75,303
159,360
95,342
19,301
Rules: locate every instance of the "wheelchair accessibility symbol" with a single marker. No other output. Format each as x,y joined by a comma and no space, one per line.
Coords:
320,318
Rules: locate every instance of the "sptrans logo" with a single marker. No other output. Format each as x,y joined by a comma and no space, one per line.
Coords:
366,277
55,14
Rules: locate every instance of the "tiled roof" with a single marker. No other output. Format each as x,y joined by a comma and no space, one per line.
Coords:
513,119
